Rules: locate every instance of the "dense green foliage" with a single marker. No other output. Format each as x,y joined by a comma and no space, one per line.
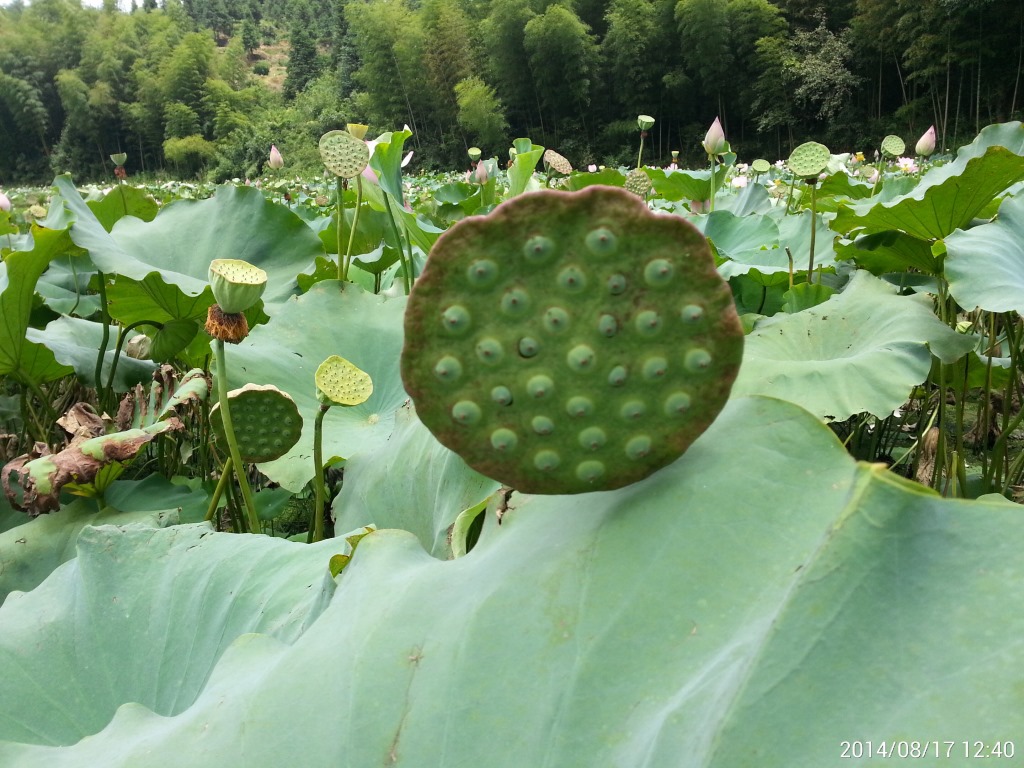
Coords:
77,84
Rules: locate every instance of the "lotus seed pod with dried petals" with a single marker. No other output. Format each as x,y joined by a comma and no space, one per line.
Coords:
119,158
714,141
237,285
276,161
229,328
645,122
926,144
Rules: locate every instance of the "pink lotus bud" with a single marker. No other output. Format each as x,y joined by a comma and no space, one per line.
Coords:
926,144
714,141
5,203
481,173
700,206
592,168
276,161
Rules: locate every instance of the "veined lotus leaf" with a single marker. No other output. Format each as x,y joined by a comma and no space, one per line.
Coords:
862,350
779,610
985,265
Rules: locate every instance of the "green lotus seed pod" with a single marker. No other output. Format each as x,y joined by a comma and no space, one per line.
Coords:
340,382
619,340
555,162
266,421
638,182
119,158
237,285
760,166
344,154
809,160
645,122
474,153
893,146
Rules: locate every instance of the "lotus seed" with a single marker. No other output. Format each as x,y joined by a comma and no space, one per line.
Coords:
638,447
677,404
538,249
697,360
658,273
607,326
504,440
572,279
448,368
592,438
528,346
632,410
501,395
556,319
648,322
692,313
466,412
655,368
589,471
601,242
482,273
546,460
542,425
617,284
579,406
540,386
489,350
581,358
515,302
618,376
456,319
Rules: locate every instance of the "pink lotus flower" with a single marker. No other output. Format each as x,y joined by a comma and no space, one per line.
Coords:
700,206
5,203
592,168
906,164
276,161
926,144
714,140
739,182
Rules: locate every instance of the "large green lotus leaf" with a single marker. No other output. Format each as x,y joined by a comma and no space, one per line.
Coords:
25,360
142,615
172,254
947,197
31,551
685,185
705,617
985,265
744,240
862,350
411,482
121,201
75,342
333,318
890,251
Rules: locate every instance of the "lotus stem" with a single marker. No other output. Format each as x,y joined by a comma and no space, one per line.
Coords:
405,261
219,490
639,157
355,220
122,334
712,200
105,315
229,433
341,213
318,473
814,201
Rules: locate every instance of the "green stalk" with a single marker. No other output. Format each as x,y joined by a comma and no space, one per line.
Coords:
121,336
318,473
105,315
814,200
229,433
355,220
712,206
341,211
639,157
219,490
406,263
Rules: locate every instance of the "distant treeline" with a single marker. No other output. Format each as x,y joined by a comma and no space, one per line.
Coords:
204,87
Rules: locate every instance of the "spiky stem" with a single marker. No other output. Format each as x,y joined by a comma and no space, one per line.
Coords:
229,433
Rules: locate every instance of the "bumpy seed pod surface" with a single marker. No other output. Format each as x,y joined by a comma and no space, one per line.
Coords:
344,154
557,162
760,166
893,146
570,341
809,159
638,182
237,285
267,422
343,383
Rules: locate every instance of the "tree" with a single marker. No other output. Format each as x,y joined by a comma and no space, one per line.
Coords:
302,55
508,63
706,44
628,50
250,36
480,112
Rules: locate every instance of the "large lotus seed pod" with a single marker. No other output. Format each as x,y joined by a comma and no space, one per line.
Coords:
237,285
893,146
570,341
557,163
342,383
638,182
760,166
266,420
809,160
344,154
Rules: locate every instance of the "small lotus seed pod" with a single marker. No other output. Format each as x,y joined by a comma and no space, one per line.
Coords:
266,422
474,153
237,285
893,146
139,347
344,154
555,162
645,122
339,382
119,158
357,129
